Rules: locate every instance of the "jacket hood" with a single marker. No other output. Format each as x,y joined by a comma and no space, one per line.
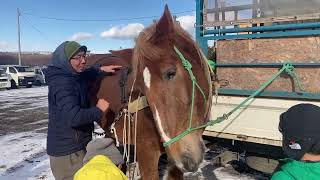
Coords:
60,60
60,64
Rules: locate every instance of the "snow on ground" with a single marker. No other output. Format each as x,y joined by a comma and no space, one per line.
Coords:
34,97
24,157
23,154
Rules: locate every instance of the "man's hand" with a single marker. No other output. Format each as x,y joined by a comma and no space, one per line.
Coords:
103,105
110,68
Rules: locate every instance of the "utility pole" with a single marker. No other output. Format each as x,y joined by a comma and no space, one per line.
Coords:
19,46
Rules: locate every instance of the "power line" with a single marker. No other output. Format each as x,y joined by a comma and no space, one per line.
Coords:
40,32
101,20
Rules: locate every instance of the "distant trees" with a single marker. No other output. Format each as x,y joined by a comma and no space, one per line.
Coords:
26,59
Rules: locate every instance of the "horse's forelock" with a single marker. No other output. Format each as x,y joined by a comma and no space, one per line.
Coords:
145,43
146,49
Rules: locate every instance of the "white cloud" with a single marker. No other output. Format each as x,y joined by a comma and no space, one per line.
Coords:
81,36
4,45
129,31
187,23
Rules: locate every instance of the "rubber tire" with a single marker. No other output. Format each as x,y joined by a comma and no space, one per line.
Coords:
262,164
38,83
13,85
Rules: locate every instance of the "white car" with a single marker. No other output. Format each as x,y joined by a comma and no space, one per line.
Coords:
21,75
39,76
4,79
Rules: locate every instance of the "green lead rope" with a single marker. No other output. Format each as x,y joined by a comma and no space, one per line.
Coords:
287,67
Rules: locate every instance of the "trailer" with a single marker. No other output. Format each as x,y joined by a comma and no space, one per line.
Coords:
252,40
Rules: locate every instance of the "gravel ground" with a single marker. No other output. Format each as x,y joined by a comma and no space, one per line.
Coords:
23,110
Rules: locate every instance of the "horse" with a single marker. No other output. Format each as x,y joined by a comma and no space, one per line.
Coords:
111,88
178,93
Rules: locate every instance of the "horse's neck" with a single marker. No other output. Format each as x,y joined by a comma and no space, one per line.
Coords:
117,88
128,92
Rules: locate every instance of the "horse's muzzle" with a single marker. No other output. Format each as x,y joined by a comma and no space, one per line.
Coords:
191,162
189,165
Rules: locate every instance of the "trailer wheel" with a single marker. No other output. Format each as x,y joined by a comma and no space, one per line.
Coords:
262,164
38,83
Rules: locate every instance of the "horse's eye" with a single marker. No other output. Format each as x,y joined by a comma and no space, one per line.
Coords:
169,74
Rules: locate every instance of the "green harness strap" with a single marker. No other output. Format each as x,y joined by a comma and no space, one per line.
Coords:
287,67
187,65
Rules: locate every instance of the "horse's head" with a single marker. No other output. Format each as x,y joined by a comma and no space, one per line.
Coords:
162,77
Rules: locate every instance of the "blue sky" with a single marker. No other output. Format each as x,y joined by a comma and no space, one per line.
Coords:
38,33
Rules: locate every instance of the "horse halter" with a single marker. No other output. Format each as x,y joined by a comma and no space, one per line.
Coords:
122,83
140,104
187,65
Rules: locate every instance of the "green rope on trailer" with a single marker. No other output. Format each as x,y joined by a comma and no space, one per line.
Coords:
290,71
287,67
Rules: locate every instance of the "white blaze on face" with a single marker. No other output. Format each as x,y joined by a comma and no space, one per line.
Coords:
147,77
158,121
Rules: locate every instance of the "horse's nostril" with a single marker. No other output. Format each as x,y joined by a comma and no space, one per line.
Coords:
189,164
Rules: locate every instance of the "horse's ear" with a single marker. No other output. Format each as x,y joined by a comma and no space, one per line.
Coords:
165,26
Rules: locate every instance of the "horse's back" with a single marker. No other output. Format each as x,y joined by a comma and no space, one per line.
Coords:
121,57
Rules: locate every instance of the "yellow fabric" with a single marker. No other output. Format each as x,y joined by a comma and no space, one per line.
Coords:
100,168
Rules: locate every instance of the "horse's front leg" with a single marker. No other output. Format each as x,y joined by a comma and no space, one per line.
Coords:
148,158
149,146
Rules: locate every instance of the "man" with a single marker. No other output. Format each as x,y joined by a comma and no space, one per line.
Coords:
301,143
70,117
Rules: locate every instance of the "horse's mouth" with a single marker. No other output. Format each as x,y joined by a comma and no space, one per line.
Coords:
187,165
190,166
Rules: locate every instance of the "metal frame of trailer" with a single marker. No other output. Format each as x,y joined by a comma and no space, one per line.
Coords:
273,27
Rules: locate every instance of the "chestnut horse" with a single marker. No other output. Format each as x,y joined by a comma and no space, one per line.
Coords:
178,93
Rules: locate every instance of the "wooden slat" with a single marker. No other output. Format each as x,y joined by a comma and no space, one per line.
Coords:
230,8
216,13
264,20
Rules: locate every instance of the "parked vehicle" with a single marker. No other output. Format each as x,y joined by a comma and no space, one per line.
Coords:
39,76
4,79
21,75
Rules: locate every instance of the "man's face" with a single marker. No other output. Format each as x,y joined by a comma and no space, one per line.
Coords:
78,62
